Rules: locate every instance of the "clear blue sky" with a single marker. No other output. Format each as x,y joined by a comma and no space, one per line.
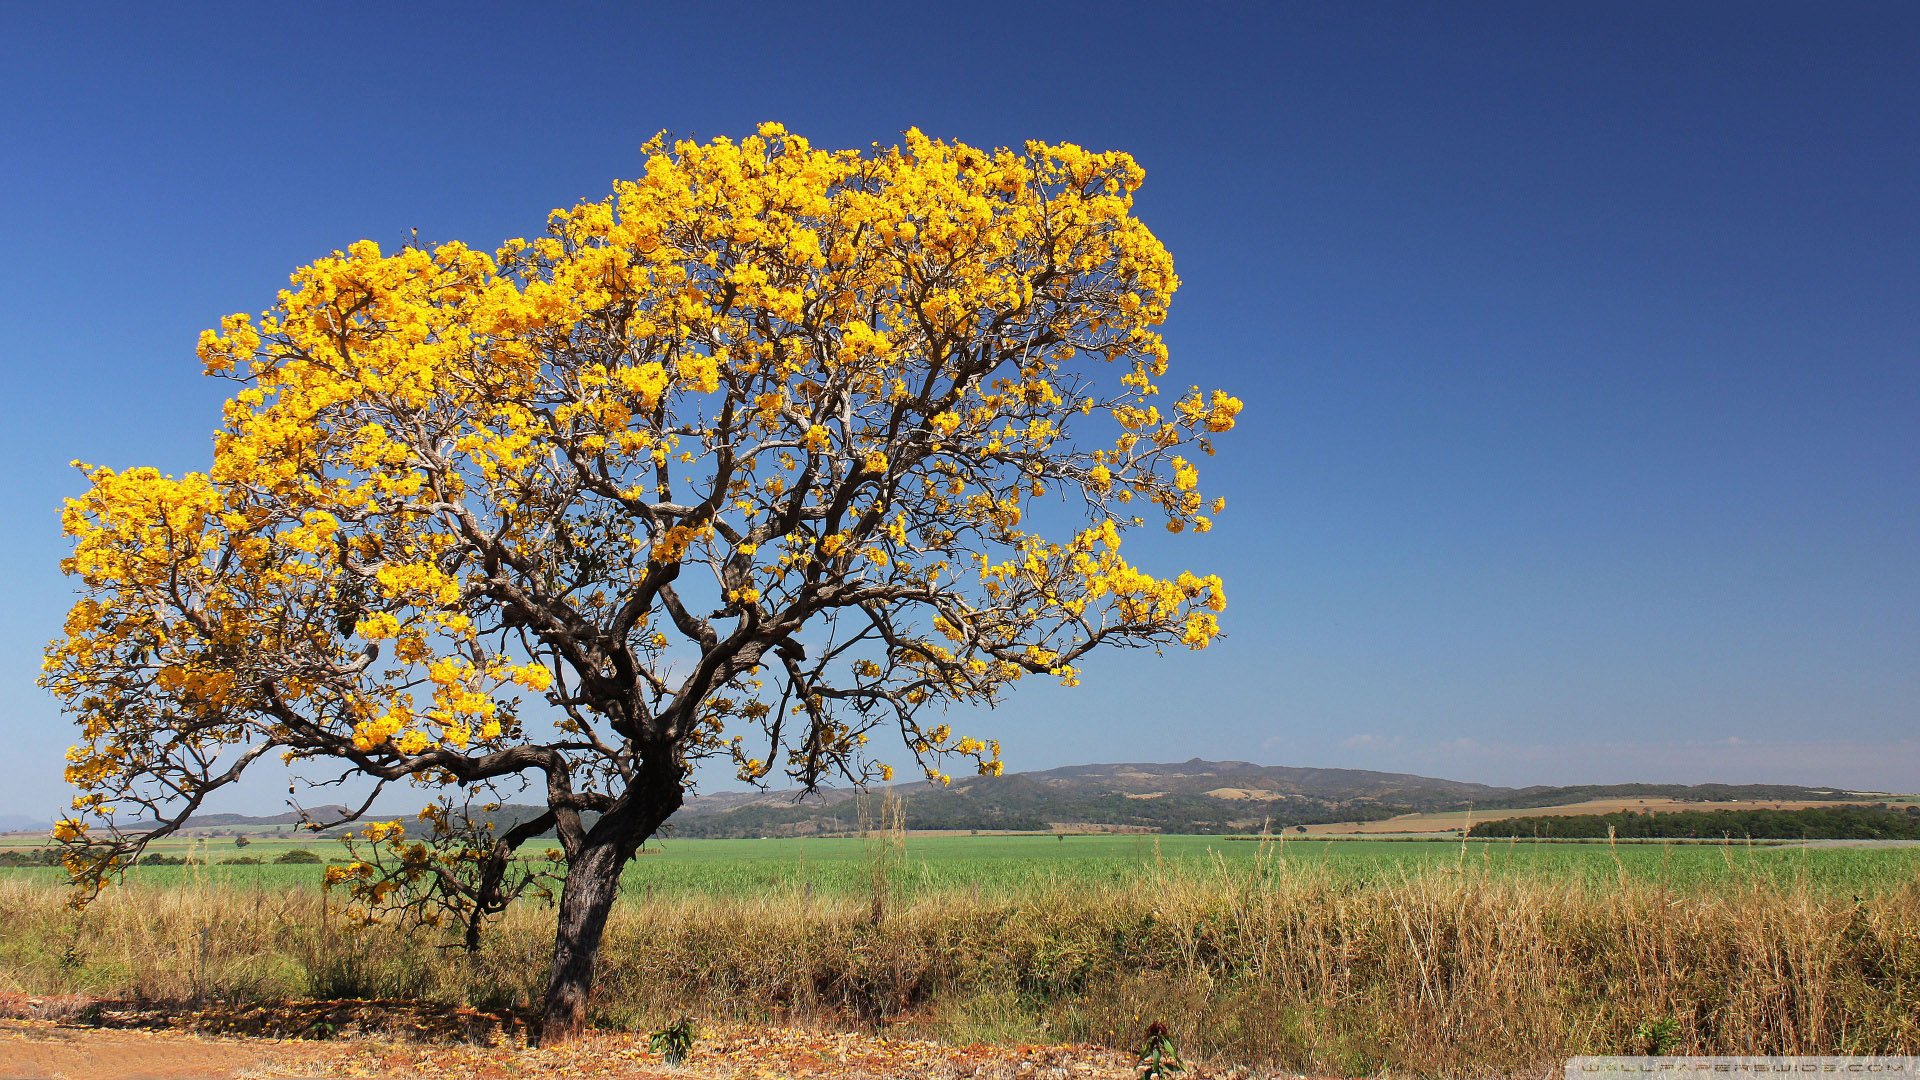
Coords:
1578,341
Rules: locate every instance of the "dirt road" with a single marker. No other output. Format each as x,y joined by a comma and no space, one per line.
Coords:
48,1050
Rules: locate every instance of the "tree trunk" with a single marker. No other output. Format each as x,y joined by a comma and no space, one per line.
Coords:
586,898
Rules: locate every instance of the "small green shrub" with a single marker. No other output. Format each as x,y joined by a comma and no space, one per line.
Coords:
1657,1037
1159,1059
674,1042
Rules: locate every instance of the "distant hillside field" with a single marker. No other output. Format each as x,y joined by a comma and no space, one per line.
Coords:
1455,821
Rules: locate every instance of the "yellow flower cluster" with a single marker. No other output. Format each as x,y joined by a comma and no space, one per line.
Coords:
800,370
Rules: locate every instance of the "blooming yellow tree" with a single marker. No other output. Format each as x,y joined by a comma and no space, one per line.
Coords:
773,447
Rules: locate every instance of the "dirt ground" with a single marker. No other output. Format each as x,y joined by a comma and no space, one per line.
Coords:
43,1050
60,1050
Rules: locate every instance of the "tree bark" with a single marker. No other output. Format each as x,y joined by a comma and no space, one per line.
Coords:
593,882
586,899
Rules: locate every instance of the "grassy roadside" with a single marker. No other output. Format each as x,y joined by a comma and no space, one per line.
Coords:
1434,967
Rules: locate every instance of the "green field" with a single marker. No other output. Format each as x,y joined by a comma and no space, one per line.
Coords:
1326,956
1001,864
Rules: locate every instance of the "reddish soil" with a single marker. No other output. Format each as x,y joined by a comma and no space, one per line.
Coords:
44,1050
80,1039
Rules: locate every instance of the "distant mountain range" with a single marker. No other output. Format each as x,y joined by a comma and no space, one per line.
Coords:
1188,797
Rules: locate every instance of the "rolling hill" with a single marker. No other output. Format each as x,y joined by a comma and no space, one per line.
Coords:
1194,796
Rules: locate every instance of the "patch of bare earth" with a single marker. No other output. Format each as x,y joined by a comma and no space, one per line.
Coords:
80,1039
48,1050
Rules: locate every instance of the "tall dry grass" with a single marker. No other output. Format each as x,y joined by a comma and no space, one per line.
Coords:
1442,971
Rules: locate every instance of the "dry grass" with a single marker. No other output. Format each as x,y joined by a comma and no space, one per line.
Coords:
1437,971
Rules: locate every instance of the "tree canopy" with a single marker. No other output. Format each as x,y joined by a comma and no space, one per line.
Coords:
772,448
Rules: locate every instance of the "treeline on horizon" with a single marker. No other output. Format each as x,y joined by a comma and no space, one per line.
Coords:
1540,795
1019,805
1875,822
